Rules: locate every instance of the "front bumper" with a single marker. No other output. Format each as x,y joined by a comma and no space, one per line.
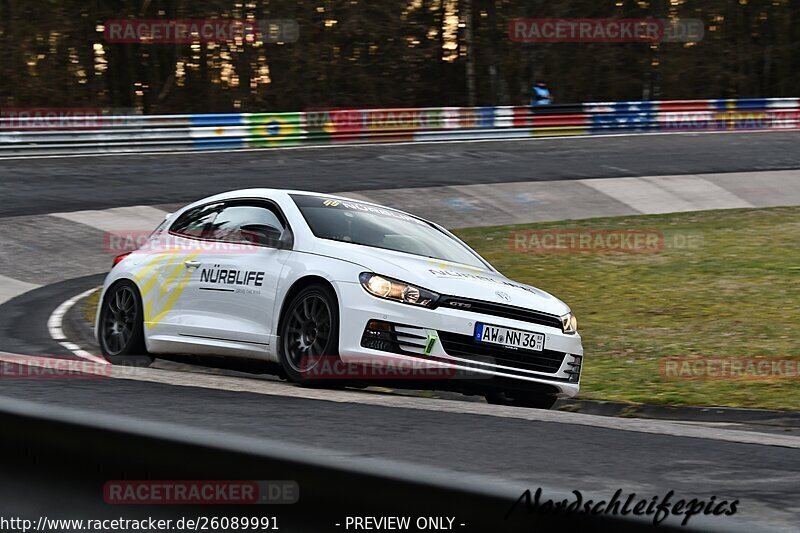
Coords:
555,370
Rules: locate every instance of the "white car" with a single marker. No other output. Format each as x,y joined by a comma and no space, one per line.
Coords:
319,283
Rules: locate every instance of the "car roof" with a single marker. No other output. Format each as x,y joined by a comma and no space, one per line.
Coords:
272,193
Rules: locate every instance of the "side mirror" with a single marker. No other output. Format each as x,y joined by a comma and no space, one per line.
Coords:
262,234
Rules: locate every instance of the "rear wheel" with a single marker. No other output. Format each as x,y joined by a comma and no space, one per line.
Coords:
121,332
309,336
522,399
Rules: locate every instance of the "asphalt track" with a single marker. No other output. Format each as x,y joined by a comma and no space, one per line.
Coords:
562,452
32,187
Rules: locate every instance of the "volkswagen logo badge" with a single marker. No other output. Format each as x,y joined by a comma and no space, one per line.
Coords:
503,295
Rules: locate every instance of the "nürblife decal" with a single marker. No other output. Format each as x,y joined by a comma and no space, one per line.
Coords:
231,276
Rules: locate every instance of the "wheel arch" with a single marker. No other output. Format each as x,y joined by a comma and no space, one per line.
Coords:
299,285
134,351
107,286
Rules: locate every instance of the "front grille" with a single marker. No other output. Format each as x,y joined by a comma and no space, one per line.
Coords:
505,311
465,347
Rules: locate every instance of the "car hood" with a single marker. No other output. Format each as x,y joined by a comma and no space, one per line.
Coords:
444,277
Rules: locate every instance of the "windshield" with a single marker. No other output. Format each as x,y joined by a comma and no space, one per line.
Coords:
380,227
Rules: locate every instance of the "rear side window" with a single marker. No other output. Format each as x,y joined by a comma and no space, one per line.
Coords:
241,221
248,223
198,222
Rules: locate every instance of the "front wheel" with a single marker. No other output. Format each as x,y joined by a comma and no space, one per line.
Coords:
121,331
309,337
522,399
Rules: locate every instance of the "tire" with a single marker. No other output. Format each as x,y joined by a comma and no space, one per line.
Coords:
121,331
522,399
309,337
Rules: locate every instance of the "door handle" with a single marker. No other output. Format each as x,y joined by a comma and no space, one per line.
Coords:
192,264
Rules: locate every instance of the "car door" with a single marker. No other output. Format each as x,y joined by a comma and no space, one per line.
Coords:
167,269
235,283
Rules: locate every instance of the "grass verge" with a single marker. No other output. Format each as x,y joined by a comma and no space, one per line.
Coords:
89,306
726,284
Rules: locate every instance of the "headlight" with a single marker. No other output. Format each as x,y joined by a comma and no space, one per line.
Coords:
569,324
391,289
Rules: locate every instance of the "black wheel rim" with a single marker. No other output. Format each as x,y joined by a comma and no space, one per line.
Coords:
119,320
307,334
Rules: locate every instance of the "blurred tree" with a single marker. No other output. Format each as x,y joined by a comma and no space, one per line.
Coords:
363,53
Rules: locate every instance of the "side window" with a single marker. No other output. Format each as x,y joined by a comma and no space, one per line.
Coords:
197,222
250,223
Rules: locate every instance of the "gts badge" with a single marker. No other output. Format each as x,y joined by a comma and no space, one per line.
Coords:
230,276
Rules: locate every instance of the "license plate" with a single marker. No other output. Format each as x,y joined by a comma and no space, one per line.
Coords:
514,338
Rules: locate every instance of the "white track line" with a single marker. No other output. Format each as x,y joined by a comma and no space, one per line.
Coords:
55,323
200,151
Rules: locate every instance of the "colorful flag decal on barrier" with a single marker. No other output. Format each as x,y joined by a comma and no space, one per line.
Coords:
278,129
615,116
220,131
335,125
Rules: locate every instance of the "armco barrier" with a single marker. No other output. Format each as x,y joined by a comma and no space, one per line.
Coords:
25,135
